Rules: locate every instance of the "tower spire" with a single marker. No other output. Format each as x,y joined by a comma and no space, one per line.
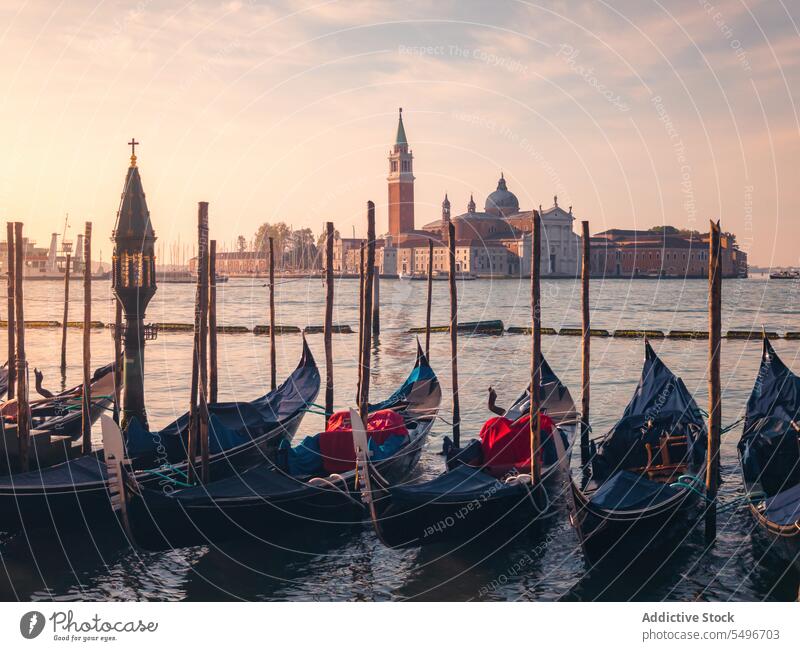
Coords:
401,139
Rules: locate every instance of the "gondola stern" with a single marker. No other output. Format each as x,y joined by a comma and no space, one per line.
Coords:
120,480
368,483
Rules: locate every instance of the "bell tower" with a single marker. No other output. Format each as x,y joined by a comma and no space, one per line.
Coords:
401,184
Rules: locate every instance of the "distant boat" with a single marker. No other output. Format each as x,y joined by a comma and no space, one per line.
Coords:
183,276
443,275
790,274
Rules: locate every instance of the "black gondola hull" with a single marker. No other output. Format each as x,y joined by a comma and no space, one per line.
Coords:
631,536
160,522
406,525
78,504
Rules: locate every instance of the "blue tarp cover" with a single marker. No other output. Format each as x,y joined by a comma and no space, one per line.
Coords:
784,508
232,423
662,399
627,491
769,445
304,459
462,484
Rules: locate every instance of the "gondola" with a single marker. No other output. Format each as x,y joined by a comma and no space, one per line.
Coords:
641,490
486,486
311,486
241,435
769,454
61,414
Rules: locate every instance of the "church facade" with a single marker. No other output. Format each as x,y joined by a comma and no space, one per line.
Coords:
494,242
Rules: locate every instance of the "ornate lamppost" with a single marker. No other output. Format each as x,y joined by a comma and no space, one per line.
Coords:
134,284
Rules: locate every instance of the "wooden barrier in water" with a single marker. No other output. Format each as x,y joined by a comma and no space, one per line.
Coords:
578,332
232,330
526,330
468,327
279,330
335,329
650,334
757,335
687,334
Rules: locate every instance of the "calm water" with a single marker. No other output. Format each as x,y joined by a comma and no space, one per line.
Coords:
98,565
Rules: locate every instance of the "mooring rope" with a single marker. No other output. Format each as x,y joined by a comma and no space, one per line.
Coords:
689,482
168,478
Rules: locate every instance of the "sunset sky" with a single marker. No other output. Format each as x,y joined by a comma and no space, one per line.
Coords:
635,113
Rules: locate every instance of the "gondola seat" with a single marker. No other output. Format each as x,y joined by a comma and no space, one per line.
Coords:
506,444
332,451
668,458
629,491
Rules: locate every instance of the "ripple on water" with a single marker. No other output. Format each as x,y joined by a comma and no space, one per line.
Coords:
353,565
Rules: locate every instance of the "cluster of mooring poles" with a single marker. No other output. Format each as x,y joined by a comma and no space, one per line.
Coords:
18,372
204,388
134,285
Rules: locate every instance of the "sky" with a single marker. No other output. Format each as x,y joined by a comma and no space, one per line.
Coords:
636,113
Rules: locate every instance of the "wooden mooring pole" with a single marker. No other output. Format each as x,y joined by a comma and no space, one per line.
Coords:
21,365
328,336
118,359
361,254
213,381
369,270
585,344
86,402
202,363
536,349
430,298
66,316
451,247
197,345
714,383
376,302
11,288
273,372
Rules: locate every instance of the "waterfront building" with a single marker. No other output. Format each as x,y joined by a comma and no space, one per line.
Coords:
666,252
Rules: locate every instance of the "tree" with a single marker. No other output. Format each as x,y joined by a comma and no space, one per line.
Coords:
666,230
280,234
241,244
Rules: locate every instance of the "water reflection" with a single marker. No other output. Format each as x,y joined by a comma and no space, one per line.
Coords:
353,564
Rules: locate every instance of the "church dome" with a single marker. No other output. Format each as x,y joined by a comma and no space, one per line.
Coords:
501,201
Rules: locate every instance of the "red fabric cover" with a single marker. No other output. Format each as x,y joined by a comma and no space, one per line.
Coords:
506,444
336,442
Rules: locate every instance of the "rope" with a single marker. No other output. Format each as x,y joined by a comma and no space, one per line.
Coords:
168,478
689,482
316,481
727,429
